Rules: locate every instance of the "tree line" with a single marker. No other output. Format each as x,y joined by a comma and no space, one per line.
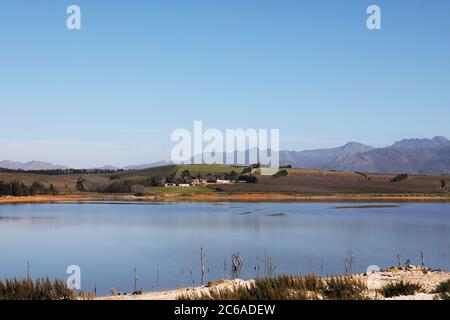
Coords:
19,189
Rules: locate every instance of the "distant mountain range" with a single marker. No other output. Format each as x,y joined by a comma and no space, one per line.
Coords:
321,158
32,165
40,165
414,156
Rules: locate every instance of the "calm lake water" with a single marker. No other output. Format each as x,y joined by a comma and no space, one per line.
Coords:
109,240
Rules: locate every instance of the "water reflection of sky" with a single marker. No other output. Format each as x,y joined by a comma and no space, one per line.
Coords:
108,240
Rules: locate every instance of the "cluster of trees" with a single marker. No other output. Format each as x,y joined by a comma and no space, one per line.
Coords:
19,189
107,185
186,177
113,183
156,182
232,176
245,176
249,178
102,185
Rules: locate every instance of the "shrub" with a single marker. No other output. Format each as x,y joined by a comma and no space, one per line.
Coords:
138,190
400,177
80,186
186,174
248,178
281,173
232,176
156,182
401,288
247,170
443,290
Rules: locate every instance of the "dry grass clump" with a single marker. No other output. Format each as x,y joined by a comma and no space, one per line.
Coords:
288,287
40,289
401,288
345,288
442,291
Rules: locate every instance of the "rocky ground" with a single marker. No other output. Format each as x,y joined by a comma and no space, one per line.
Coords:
427,278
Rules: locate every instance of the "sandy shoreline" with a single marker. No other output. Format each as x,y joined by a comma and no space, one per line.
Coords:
256,197
427,278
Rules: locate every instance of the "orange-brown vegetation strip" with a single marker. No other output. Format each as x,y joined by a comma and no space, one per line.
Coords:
244,197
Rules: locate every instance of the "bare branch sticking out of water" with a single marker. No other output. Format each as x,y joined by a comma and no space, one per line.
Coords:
236,265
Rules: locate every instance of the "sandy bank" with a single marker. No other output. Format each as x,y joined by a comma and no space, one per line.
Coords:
427,278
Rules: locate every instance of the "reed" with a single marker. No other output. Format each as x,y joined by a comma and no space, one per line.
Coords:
40,289
344,288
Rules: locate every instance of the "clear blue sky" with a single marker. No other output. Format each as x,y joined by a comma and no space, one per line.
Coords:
113,92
